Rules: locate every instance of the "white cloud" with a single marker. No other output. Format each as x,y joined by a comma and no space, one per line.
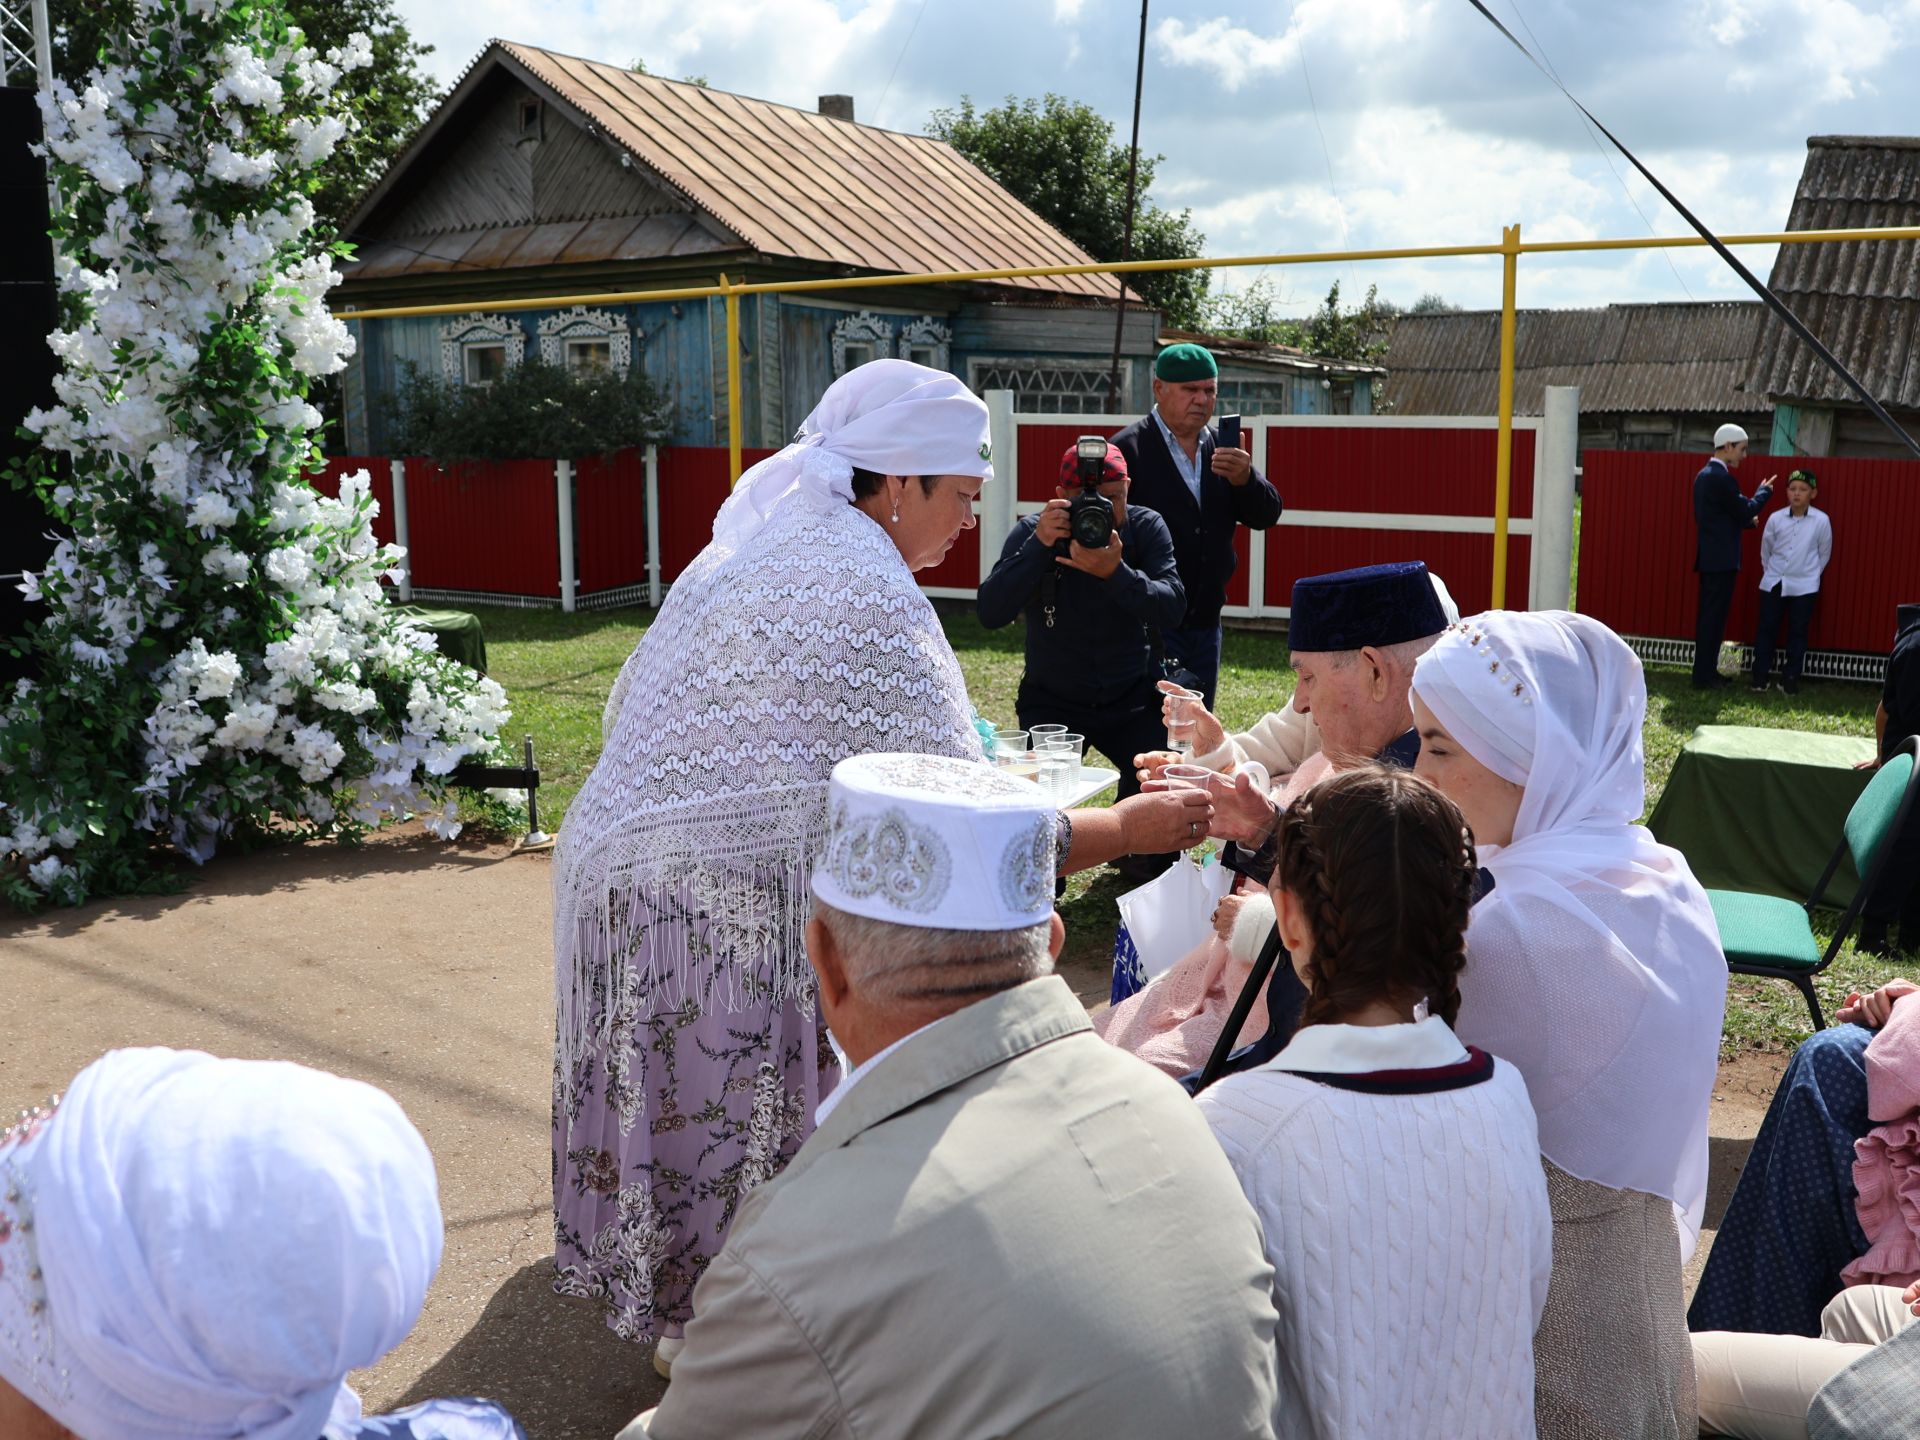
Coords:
1236,56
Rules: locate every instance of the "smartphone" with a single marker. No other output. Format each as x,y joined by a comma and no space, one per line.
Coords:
1229,433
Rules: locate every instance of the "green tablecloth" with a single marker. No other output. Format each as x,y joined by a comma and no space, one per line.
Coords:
1759,809
455,632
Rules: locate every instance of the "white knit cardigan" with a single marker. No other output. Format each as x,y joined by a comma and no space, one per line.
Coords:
1409,1235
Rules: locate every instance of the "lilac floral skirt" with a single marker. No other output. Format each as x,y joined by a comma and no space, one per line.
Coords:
660,1132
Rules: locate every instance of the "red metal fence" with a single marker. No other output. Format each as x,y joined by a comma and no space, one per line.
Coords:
1637,546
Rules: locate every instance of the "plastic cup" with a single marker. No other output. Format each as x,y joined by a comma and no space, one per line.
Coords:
1187,777
1180,721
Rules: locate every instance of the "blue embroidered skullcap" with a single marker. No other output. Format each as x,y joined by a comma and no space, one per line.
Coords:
1374,605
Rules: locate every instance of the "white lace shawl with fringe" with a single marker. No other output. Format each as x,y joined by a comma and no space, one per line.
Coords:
765,667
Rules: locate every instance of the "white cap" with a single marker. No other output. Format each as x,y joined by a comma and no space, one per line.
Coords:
1729,435
937,843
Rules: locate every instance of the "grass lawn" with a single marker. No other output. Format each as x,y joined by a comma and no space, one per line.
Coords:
558,669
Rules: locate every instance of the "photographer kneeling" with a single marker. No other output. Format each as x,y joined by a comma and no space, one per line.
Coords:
1093,611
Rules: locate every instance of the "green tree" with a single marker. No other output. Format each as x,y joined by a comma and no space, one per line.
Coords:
1334,331
1434,303
388,99
1059,158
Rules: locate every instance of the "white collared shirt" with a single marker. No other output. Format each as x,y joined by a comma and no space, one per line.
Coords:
1189,468
1794,550
1425,1044
851,1078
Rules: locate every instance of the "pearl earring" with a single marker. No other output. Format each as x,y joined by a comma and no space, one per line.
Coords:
896,514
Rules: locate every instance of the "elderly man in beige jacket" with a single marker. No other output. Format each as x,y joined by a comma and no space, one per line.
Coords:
1002,1226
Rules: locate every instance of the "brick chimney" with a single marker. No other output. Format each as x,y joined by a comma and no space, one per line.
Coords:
837,107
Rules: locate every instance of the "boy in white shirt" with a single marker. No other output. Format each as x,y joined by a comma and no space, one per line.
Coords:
1794,550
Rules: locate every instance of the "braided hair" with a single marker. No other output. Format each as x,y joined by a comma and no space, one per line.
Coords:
1382,865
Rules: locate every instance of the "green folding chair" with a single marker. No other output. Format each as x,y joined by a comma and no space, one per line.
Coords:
1770,937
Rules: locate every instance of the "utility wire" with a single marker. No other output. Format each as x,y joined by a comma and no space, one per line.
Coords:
1773,301
912,29
1313,107
1554,73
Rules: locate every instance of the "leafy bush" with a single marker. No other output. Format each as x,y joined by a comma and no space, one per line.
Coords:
533,411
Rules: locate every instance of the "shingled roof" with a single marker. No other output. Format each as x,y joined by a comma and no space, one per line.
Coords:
744,175
1862,298
1660,358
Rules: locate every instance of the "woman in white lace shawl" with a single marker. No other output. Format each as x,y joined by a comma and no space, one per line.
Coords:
1593,967
689,1056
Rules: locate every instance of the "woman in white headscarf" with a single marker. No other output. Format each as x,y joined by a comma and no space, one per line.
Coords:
1595,968
201,1249
689,1054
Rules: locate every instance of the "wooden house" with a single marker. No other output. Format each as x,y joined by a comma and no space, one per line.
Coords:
1861,297
1651,376
546,175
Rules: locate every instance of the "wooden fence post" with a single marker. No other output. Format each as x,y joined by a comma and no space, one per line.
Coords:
1556,454
653,526
998,500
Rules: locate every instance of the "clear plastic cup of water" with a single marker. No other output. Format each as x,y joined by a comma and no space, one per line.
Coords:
1180,722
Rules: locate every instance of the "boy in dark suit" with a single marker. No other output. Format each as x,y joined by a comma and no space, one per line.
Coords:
1721,512
1202,490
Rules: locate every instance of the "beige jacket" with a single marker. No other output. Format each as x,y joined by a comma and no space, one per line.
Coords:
1007,1228
1279,741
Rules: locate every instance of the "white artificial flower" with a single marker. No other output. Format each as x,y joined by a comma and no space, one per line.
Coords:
225,163
46,871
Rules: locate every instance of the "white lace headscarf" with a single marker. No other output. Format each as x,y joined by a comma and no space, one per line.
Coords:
1595,965
798,637
199,1249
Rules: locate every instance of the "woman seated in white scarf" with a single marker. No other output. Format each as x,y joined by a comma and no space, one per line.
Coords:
1396,1172
1595,967
201,1249
690,1056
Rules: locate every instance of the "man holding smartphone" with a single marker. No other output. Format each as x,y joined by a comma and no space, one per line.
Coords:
1203,483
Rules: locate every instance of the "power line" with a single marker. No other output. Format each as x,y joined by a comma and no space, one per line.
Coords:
885,90
1601,150
1313,107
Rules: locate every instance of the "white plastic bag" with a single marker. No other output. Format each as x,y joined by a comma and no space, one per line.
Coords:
1173,912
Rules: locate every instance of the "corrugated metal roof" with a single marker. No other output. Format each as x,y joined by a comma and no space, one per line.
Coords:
1862,298
1658,359
788,182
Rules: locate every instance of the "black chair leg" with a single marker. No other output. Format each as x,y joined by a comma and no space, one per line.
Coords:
1805,984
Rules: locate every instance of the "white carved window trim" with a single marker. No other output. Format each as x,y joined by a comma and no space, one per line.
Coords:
1043,385
580,323
865,329
930,335
477,329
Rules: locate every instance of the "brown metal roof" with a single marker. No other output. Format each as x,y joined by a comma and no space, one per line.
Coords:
788,182
1862,298
1659,359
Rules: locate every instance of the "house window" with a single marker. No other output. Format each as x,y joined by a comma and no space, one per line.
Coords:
532,120
485,363
581,340
860,338
589,356
476,349
926,342
1044,387
1340,399
1253,397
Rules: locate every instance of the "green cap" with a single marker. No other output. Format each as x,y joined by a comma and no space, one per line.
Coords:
1180,363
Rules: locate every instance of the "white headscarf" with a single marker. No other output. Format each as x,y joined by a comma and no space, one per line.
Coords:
892,417
218,1243
1595,965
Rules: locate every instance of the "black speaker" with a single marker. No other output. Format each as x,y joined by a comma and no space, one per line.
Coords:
27,312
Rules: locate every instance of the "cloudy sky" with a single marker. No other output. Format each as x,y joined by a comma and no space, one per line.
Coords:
1305,125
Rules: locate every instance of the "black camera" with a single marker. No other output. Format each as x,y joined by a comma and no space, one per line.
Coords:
1089,514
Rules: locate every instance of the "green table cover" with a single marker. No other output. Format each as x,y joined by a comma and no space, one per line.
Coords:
455,632
1759,809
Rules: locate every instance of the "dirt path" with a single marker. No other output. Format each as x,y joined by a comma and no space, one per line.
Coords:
424,969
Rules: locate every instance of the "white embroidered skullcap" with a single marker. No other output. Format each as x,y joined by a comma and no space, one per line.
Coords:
938,843
197,1249
1728,435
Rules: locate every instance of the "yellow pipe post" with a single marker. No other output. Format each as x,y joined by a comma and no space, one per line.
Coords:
1503,453
732,292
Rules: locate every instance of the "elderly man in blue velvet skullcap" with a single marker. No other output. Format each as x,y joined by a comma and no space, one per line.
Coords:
1354,636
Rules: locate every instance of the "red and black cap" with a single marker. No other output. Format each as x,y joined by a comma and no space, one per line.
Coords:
1114,469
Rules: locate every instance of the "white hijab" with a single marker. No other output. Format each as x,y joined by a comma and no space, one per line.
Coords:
218,1243
1595,965
892,417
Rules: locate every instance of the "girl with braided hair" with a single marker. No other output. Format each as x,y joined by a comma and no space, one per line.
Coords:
1396,1171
